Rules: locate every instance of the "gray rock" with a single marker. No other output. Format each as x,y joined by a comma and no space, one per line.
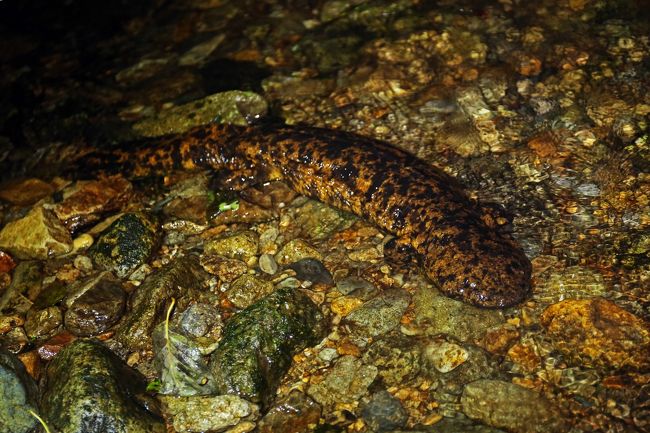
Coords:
397,357
441,315
384,412
125,244
209,413
347,381
511,407
312,270
91,390
96,309
19,396
379,315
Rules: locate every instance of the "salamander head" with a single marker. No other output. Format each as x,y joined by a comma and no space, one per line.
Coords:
485,270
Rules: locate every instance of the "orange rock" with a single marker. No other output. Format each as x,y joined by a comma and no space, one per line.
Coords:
6,262
525,356
498,340
32,363
597,332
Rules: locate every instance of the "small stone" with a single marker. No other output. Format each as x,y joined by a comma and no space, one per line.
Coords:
510,407
247,289
295,250
318,221
208,413
267,264
82,242
445,356
379,315
499,339
6,262
235,107
295,413
344,305
346,382
384,413
397,359
126,244
241,246
312,270
25,192
524,355
43,323
226,269
597,332
351,284
38,235
365,255
83,263
328,354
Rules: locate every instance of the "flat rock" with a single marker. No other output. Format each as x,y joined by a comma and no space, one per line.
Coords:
209,413
510,407
597,332
38,235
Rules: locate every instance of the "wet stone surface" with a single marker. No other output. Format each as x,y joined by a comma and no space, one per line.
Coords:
540,110
20,395
91,390
126,244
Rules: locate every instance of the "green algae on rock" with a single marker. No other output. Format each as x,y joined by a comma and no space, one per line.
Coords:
258,344
125,244
91,390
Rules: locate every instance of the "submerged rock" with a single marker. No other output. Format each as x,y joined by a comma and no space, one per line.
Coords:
379,315
441,315
210,413
19,396
384,412
511,407
37,235
90,390
125,244
258,344
597,332
347,381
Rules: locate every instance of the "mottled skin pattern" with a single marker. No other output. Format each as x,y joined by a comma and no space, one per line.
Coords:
456,241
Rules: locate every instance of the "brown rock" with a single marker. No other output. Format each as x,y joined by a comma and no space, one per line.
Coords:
597,332
25,192
87,201
292,414
6,262
499,339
